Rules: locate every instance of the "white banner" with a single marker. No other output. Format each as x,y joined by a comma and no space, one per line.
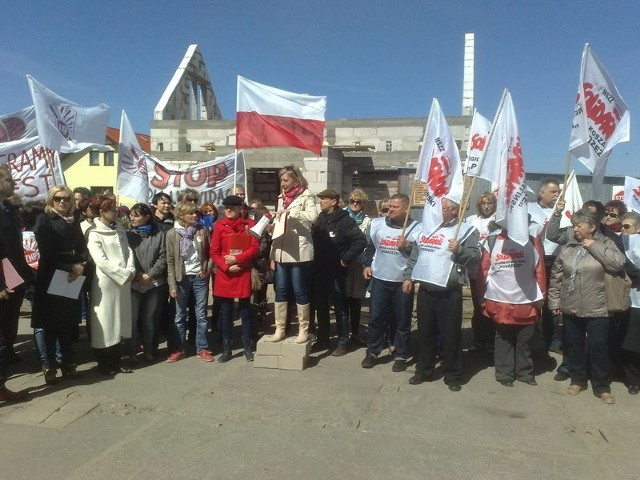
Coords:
32,167
572,198
480,128
632,193
18,125
132,179
214,180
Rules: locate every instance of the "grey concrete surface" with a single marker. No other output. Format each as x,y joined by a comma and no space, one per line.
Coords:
203,420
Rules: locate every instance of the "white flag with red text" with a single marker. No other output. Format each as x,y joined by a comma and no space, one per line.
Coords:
132,164
511,207
270,117
632,193
18,125
64,125
439,166
480,128
572,200
601,118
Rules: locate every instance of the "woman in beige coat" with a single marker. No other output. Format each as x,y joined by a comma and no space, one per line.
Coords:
292,249
111,287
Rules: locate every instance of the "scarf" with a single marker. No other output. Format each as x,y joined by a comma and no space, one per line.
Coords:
143,231
69,220
358,218
186,241
290,196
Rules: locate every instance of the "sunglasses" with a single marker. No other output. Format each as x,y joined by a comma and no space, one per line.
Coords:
355,202
385,210
627,226
60,199
612,215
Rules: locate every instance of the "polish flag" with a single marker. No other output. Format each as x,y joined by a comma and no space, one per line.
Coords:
270,117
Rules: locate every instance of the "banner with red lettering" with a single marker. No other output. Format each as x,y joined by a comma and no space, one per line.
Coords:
632,193
601,118
214,180
480,128
511,208
572,199
438,166
32,167
18,125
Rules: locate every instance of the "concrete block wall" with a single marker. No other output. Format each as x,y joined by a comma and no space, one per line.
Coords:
284,355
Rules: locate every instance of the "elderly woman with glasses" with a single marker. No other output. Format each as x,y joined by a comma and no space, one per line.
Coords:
292,250
577,290
355,283
62,247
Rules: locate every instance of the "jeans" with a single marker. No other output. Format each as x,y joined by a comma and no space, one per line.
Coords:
226,316
389,305
329,291
440,312
41,347
200,288
294,275
592,333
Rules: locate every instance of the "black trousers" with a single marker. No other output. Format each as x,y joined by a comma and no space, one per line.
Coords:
512,356
440,312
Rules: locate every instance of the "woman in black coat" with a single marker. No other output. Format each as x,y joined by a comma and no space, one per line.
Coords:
62,247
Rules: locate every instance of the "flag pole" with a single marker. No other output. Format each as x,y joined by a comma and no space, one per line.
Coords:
566,173
415,179
465,198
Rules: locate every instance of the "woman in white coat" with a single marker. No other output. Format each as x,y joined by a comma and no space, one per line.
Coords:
111,287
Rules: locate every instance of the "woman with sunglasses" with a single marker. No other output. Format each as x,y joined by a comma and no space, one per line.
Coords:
614,210
292,250
355,283
62,247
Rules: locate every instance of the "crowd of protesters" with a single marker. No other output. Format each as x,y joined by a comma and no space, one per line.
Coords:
147,272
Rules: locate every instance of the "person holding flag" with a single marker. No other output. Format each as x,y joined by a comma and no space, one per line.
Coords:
438,263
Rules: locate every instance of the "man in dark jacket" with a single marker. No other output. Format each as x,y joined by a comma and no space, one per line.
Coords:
337,241
10,299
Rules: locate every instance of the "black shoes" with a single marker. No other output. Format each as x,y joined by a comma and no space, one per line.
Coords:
529,381
340,351
561,376
368,362
633,390
399,366
455,386
506,383
419,378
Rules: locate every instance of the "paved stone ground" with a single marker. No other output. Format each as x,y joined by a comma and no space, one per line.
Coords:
194,419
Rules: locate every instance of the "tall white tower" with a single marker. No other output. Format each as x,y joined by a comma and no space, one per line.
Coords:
467,80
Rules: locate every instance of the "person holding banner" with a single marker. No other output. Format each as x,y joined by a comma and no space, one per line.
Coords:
232,252
188,268
577,290
62,247
438,263
10,298
292,250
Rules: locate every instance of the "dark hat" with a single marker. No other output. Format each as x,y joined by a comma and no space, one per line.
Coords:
232,201
329,193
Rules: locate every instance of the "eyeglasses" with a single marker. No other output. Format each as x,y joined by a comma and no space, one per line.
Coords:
628,226
612,215
355,202
60,199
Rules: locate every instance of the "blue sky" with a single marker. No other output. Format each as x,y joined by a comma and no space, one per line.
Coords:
371,58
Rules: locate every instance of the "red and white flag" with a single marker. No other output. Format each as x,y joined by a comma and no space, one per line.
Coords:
572,199
270,117
632,193
19,125
133,178
439,166
480,128
511,207
64,125
601,118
